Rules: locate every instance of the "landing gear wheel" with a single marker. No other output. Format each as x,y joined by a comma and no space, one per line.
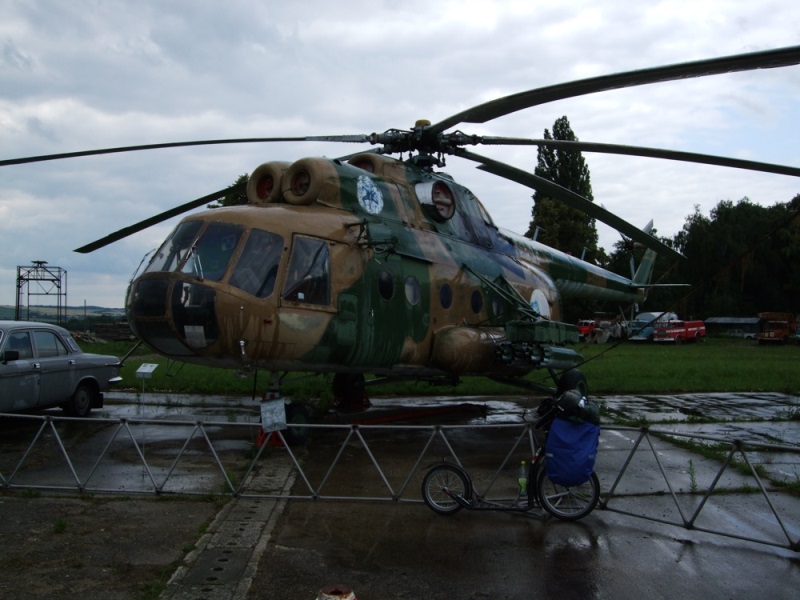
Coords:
349,392
445,477
572,380
297,414
80,405
568,503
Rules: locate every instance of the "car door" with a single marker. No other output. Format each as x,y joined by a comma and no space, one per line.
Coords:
56,368
19,379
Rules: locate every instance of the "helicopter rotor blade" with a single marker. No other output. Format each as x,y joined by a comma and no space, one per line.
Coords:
570,198
767,59
621,149
358,138
154,220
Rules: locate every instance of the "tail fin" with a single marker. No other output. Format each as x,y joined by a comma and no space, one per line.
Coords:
644,273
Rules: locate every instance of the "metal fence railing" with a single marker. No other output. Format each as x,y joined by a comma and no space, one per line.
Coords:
740,489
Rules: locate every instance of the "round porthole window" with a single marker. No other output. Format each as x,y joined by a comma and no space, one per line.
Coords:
443,200
437,198
498,305
446,295
412,291
476,300
386,285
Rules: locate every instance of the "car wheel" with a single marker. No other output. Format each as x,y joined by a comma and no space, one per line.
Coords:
80,405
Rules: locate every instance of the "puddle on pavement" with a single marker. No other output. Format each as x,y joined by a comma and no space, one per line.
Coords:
762,418
709,407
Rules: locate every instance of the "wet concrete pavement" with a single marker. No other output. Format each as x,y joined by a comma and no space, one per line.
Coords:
403,550
400,550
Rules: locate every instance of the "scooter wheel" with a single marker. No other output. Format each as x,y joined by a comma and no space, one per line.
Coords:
439,486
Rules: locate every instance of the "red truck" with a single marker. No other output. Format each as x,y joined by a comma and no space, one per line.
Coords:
776,328
679,331
586,327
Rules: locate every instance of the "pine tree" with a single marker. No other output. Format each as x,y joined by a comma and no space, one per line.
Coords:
561,226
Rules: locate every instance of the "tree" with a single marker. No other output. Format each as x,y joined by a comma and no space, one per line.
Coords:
236,195
741,260
560,226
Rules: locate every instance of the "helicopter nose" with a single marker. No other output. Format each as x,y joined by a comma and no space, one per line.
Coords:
175,317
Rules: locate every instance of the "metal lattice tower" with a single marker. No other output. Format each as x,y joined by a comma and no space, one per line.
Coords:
37,280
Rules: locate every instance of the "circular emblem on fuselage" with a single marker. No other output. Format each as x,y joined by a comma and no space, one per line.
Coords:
540,304
369,196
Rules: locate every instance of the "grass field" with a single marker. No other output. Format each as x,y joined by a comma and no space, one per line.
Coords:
714,365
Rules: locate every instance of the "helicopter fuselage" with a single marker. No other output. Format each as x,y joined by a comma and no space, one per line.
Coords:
369,266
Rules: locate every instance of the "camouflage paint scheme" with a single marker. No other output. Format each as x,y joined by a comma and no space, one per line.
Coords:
412,279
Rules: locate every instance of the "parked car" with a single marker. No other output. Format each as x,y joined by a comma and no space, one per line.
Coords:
642,328
42,366
585,328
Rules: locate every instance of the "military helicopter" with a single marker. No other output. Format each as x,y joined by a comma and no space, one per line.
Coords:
382,266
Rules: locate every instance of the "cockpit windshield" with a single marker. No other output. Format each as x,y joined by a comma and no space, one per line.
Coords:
209,256
257,268
205,257
175,248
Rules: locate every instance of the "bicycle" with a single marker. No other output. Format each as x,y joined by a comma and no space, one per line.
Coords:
447,487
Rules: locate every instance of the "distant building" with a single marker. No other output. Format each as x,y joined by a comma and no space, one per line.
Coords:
742,327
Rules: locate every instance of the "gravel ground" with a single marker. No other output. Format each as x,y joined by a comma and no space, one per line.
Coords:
115,549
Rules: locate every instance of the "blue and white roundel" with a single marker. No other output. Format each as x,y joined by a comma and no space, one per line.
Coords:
540,304
369,196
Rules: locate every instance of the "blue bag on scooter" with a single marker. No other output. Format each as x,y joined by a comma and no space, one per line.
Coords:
570,451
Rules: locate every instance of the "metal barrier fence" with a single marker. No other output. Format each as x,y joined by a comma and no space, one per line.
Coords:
740,489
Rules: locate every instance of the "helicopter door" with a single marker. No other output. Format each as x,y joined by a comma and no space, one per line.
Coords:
308,278
394,315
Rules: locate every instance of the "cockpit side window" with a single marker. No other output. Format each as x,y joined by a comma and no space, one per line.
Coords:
257,268
175,248
308,278
209,256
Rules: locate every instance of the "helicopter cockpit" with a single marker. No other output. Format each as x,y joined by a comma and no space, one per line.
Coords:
177,294
206,254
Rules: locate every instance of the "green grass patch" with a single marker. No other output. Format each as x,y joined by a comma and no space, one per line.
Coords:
60,525
714,365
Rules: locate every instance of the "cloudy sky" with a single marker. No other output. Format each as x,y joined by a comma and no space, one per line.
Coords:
102,73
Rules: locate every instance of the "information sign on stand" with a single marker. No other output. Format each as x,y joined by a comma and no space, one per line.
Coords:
145,371
273,415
